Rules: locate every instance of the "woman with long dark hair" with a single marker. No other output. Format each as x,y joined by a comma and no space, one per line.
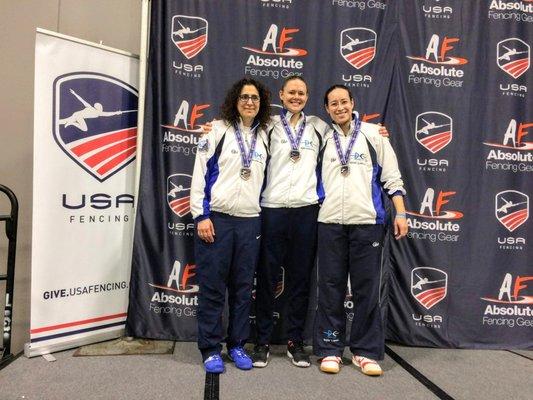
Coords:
226,185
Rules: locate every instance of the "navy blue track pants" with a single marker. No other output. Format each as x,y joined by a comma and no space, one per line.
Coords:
227,264
288,240
353,250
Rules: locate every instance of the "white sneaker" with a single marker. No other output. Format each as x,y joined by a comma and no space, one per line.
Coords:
367,365
331,364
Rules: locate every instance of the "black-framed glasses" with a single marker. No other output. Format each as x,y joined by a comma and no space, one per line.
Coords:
245,97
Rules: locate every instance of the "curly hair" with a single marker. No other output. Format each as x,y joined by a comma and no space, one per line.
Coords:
332,88
228,110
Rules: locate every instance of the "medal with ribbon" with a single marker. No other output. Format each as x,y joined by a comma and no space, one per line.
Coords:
344,158
246,158
294,141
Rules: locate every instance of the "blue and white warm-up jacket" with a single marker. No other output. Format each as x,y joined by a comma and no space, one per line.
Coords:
293,184
216,182
356,198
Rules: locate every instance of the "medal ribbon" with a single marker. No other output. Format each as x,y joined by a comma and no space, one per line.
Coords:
246,158
295,141
345,157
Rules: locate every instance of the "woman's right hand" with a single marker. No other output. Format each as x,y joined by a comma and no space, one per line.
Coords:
206,231
206,128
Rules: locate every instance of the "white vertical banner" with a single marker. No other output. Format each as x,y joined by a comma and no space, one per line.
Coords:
85,137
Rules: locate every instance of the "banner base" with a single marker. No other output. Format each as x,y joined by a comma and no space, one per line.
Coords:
38,350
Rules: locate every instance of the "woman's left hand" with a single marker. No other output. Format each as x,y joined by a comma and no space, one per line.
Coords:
400,227
383,131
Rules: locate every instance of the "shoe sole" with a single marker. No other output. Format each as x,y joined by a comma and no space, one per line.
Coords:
301,364
330,370
241,368
368,373
261,364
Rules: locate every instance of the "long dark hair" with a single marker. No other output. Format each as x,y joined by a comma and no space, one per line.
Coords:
228,110
332,88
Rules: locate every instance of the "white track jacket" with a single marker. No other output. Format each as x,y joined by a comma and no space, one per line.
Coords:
216,182
293,184
356,198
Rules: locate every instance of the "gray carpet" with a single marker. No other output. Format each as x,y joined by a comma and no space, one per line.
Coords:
463,374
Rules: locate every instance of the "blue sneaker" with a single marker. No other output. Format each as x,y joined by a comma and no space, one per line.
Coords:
214,364
241,359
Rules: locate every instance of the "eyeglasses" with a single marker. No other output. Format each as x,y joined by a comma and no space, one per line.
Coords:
245,97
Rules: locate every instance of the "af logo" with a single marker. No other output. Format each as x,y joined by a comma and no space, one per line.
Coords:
513,292
186,118
513,138
428,286
189,34
276,46
434,130
437,52
179,194
358,46
513,56
95,122
512,209
180,279
427,209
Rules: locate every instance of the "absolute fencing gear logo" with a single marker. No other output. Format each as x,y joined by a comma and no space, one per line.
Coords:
513,153
434,130
358,46
189,34
274,58
433,222
95,122
513,56
275,43
513,305
179,194
517,10
511,209
180,279
438,66
429,286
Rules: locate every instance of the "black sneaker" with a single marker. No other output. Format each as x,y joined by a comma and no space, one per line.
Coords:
296,352
260,355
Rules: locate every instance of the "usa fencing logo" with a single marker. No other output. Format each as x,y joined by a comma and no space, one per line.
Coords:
95,122
512,209
189,34
513,56
179,194
429,286
358,46
434,130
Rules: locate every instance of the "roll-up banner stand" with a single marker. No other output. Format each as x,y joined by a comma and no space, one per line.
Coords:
85,137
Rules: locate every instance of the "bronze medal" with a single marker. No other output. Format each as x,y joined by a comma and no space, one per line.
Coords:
246,173
295,155
345,170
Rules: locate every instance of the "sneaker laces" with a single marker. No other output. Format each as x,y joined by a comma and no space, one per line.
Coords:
214,357
240,352
296,347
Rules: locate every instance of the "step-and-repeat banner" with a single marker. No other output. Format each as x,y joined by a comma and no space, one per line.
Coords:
84,174
451,81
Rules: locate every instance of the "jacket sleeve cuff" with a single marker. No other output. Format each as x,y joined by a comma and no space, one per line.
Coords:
201,218
398,192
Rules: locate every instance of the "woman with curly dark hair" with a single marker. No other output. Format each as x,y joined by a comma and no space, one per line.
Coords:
228,175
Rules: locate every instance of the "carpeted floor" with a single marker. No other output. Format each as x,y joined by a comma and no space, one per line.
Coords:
461,374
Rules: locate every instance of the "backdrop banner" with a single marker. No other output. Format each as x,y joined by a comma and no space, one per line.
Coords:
85,138
450,80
